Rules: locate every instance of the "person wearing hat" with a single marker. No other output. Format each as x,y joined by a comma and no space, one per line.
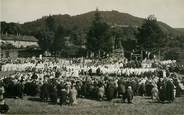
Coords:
100,91
62,93
122,89
110,89
44,93
169,90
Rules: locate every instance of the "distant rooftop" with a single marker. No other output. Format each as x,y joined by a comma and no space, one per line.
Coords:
122,26
18,37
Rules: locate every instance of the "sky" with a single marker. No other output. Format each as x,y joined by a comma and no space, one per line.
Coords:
168,11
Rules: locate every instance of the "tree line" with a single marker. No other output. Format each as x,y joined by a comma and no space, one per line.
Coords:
101,39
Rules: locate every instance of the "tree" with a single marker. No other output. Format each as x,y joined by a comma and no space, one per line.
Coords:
77,36
10,28
150,36
99,39
46,36
4,27
45,40
51,24
58,45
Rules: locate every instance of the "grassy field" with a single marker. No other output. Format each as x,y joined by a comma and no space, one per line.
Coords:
140,106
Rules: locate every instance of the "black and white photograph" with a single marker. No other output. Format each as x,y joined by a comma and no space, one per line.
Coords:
92,57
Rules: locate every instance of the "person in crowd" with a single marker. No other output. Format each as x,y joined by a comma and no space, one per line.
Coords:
101,91
73,95
63,96
129,94
44,92
122,89
169,90
162,89
110,89
3,106
154,94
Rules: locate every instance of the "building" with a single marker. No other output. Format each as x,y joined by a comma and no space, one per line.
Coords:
19,41
12,45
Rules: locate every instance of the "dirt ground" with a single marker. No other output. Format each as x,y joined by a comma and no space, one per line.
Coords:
140,106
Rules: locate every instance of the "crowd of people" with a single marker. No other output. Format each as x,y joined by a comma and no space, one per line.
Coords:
62,82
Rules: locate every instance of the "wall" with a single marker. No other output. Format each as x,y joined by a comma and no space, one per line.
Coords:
20,44
12,53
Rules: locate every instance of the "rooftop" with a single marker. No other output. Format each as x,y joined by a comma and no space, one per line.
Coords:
18,37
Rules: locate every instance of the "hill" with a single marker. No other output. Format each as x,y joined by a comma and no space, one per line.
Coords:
83,21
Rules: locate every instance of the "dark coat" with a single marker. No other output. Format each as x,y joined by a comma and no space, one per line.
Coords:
110,90
169,91
121,87
44,92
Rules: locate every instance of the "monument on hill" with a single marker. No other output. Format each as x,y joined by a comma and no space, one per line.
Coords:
118,51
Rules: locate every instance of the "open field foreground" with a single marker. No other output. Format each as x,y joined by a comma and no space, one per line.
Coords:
140,106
